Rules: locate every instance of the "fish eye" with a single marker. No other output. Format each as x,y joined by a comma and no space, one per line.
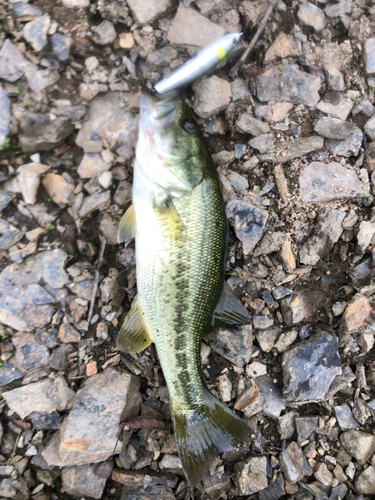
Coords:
188,125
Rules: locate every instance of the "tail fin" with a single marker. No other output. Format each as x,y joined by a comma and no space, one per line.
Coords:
204,432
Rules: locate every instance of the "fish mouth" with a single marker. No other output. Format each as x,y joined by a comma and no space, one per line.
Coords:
156,112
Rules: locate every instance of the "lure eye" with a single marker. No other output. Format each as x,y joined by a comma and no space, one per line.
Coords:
188,125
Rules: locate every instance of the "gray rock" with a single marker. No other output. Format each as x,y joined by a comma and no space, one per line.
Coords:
9,372
234,344
76,4
261,322
305,427
248,222
13,65
311,15
320,182
279,292
11,61
47,421
239,150
338,492
358,444
40,213
212,95
38,132
201,31
10,238
339,9
365,234
298,148
370,55
21,9
5,199
294,463
310,368
262,395
274,491
251,476
366,481
217,486
349,147
4,116
59,359
61,46
107,120
286,425
283,46
335,80
7,489
94,419
104,34
237,181
153,493
345,417
333,128
35,32
370,128
239,89
126,257
341,381
248,124
97,201
285,340
336,105
364,106
60,190
30,354
262,143
327,232
270,243
31,397
86,480
267,338
17,298
163,56
28,178
146,12
288,83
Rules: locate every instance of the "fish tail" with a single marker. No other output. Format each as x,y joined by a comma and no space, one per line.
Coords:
204,432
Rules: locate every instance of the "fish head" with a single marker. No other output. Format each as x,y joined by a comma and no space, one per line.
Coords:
170,143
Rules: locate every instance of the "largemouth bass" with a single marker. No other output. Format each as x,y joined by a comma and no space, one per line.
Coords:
178,220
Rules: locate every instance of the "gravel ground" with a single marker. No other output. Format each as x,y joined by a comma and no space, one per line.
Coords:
292,136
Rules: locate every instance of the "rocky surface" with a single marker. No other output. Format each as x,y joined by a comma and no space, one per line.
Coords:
292,138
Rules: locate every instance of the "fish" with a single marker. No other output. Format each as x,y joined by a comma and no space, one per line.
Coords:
181,238
199,65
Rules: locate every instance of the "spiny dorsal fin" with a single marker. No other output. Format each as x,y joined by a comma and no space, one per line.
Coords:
133,336
126,229
170,222
229,310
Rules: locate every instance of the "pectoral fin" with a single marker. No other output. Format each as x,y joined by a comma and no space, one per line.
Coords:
170,222
133,336
126,229
229,310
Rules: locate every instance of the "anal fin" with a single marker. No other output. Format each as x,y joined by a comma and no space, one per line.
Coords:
229,311
133,336
126,229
